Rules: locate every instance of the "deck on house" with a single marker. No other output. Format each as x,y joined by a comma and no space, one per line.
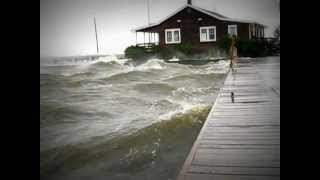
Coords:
240,140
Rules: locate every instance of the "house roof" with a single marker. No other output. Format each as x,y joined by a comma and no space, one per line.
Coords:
210,13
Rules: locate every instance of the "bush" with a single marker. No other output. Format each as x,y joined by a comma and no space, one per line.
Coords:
142,53
155,49
216,52
166,52
185,48
225,43
135,52
252,48
178,50
248,48
273,46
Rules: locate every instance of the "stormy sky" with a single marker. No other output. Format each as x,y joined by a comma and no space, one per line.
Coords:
66,26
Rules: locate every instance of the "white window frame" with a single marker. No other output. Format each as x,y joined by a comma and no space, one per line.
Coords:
208,34
172,31
233,26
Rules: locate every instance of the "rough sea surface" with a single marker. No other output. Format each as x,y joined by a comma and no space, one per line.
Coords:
114,119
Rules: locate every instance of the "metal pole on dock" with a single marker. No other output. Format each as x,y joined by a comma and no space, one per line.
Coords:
95,28
231,52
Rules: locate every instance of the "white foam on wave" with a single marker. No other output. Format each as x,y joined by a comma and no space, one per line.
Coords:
184,107
220,67
111,58
174,59
153,64
81,61
86,65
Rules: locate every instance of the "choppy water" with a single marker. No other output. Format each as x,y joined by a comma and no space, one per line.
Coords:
115,119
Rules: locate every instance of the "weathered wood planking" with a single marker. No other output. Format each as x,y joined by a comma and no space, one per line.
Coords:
198,176
235,170
239,140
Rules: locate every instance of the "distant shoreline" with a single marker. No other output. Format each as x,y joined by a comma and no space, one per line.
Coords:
80,56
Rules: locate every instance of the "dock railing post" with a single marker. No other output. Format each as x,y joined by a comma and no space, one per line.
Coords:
232,97
233,51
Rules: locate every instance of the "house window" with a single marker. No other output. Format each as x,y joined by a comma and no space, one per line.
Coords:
207,34
172,36
232,30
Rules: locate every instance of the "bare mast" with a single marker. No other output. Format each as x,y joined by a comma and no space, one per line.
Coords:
95,28
148,3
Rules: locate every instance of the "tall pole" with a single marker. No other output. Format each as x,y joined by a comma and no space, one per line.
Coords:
148,12
95,28
149,19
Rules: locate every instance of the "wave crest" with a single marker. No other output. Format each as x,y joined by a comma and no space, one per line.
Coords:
129,153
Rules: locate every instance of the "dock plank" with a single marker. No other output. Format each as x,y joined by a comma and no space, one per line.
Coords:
233,170
240,140
192,176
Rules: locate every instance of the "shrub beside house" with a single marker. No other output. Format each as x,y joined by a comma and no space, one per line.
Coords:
246,48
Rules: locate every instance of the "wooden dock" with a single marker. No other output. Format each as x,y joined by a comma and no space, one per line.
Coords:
240,140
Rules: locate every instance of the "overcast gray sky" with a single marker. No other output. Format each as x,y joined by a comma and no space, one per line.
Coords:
66,26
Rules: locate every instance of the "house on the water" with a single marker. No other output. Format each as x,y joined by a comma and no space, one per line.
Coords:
200,27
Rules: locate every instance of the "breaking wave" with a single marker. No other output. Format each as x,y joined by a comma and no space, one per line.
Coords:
130,153
121,119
